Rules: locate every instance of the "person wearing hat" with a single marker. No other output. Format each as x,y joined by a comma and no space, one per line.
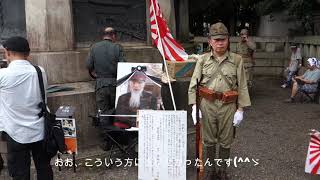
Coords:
19,120
102,63
308,82
293,67
246,48
136,98
222,76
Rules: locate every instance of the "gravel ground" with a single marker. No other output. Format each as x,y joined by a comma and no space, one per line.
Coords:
273,133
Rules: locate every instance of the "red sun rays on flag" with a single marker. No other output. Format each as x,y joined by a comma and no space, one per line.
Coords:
169,48
162,25
314,153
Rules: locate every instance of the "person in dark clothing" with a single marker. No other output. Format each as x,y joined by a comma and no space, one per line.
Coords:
102,62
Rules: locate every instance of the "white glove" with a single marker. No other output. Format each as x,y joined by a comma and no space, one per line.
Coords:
193,114
238,116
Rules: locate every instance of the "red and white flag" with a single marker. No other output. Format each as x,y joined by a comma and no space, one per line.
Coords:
313,156
166,44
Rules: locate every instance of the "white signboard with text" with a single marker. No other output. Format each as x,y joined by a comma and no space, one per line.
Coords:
162,145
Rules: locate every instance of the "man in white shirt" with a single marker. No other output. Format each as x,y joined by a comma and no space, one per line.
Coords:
19,120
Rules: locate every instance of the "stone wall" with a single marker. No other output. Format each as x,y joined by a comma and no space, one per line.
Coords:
270,56
12,19
273,53
310,46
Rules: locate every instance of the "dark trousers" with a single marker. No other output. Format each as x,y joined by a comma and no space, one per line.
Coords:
1,163
105,99
19,160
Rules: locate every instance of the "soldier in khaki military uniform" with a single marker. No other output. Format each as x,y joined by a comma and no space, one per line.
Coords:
246,48
220,71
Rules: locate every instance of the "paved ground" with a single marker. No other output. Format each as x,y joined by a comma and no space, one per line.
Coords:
273,132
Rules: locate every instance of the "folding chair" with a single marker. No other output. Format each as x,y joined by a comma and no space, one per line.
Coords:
117,137
313,96
122,139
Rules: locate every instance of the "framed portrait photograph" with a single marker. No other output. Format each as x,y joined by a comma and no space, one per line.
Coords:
138,87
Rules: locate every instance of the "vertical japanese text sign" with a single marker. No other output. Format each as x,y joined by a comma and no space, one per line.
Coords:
162,145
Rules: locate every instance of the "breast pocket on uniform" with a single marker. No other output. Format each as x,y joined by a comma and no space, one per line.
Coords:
230,73
206,75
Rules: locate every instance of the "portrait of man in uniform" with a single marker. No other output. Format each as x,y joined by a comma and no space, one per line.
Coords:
137,90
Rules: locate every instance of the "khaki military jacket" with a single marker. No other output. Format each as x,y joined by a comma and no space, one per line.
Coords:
231,66
246,49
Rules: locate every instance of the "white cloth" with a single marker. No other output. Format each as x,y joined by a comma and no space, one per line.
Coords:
194,114
295,57
19,99
238,117
313,62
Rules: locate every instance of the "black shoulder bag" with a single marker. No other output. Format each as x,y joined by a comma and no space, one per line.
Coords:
54,136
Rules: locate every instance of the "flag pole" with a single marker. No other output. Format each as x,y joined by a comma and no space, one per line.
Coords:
163,57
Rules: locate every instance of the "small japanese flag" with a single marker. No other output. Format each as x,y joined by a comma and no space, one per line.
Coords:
313,156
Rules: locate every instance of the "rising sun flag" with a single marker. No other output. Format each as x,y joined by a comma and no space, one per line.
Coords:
165,42
313,156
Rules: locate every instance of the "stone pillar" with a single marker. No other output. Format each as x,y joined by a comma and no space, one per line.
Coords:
183,33
305,51
167,8
312,51
149,40
49,29
318,51
287,49
49,25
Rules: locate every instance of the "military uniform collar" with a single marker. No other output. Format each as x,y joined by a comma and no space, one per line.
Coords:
223,57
